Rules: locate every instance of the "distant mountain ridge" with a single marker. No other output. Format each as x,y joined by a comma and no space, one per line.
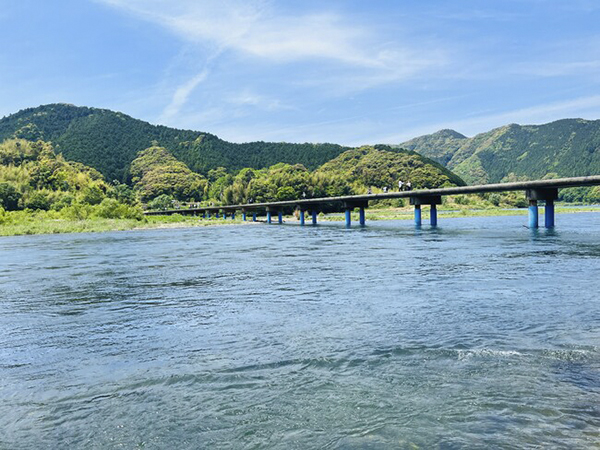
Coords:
567,147
109,141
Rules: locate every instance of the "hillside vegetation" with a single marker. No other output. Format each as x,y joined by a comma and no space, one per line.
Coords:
109,141
565,148
34,178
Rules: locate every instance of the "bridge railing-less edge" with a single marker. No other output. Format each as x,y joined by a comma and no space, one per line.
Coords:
538,190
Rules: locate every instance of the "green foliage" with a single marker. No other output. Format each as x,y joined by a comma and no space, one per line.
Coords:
34,178
565,148
109,141
384,167
38,200
111,208
161,203
580,194
9,197
156,172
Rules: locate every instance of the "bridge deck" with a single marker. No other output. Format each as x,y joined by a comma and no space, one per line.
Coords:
361,199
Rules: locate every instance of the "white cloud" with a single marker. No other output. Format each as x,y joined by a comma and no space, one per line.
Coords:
255,28
182,94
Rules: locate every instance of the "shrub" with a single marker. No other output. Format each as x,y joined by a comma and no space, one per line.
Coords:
37,200
9,197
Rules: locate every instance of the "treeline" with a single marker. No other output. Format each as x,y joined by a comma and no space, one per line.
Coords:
568,147
34,178
161,180
109,141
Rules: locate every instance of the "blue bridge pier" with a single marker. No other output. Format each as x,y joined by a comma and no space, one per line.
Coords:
349,207
301,216
548,195
432,201
545,191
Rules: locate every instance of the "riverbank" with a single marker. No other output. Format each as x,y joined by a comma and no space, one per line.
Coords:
36,224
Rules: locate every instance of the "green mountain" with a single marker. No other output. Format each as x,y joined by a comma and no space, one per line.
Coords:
109,141
568,147
381,166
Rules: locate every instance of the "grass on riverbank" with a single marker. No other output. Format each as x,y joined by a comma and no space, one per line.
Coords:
40,224
22,223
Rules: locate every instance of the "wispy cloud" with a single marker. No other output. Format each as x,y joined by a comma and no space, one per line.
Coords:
255,28
181,95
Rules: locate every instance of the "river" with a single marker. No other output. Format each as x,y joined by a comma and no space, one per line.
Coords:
480,334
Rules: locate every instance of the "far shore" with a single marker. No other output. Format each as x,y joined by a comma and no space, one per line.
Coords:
46,226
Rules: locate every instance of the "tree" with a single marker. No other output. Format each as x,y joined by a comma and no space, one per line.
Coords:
9,197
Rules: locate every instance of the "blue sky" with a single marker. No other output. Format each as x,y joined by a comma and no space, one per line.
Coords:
350,72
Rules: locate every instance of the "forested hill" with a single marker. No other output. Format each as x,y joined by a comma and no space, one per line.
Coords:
109,141
568,147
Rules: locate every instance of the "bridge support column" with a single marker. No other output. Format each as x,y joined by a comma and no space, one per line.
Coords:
418,216
253,217
546,194
549,214
348,214
208,215
268,216
349,207
204,215
301,216
279,217
244,216
314,215
233,215
533,214
432,201
224,215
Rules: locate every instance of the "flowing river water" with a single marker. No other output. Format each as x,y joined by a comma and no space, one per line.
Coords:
480,334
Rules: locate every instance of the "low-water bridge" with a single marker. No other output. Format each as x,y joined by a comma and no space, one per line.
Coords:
535,191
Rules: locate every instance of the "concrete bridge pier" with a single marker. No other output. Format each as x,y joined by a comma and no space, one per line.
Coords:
203,215
314,213
546,194
244,215
268,216
348,214
208,214
224,215
301,217
254,217
432,201
361,216
233,215
279,217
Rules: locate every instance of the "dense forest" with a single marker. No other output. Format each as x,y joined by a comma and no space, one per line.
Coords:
353,172
109,141
86,161
33,177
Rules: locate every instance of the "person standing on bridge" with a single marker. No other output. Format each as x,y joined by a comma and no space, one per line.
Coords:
400,185
408,186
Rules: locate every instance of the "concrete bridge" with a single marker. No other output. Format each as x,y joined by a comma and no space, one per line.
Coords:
535,191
